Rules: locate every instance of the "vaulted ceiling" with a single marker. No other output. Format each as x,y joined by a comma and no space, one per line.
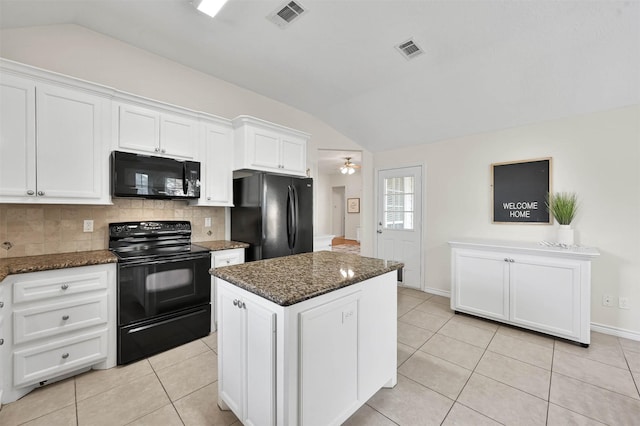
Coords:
487,64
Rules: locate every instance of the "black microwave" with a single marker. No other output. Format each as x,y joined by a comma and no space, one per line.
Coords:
145,176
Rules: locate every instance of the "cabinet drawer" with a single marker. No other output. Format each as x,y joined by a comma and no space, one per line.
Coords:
53,319
226,259
44,362
58,283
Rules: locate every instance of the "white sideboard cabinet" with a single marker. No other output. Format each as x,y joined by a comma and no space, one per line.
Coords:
541,288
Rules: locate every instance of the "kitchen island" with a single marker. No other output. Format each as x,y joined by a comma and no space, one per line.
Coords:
305,339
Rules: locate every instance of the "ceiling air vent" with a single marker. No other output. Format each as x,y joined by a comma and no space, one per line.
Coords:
286,14
409,49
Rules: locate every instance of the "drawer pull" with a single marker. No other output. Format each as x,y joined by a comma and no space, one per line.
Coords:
1,342
64,286
235,302
65,355
65,317
1,304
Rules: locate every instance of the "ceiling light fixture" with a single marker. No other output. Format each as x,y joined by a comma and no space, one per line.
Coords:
209,7
348,168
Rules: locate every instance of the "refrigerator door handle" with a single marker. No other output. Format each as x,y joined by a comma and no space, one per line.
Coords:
295,216
290,218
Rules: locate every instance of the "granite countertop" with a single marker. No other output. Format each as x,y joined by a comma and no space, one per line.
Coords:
292,279
218,245
45,262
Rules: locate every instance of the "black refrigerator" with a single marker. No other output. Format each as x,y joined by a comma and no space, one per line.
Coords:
274,214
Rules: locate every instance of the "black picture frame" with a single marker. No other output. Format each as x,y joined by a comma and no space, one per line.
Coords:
520,191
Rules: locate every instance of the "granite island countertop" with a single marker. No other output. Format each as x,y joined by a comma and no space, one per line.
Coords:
217,245
292,279
46,262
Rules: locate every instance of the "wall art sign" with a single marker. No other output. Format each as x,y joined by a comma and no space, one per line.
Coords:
353,205
520,189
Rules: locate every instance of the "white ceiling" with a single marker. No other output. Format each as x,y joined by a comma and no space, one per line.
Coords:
487,65
329,161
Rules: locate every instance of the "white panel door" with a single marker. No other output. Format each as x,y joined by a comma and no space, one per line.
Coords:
17,136
178,136
218,165
399,215
545,295
138,129
481,283
264,147
231,352
294,155
69,132
328,355
261,361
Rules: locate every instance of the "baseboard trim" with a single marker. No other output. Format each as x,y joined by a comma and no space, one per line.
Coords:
600,328
615,331
437,292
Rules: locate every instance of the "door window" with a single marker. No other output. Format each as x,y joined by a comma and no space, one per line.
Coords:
399,195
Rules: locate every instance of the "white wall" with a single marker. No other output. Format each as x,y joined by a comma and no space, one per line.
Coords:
353,189
596,155
76,51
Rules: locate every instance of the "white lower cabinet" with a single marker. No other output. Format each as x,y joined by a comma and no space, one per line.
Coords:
246,372
312,363
57,324
542,289
222,258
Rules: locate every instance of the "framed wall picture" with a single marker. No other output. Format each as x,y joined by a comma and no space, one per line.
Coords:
353,205
520,190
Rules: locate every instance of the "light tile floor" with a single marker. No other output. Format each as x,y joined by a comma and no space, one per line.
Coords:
452,370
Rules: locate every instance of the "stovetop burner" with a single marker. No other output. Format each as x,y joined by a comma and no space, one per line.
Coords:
152,240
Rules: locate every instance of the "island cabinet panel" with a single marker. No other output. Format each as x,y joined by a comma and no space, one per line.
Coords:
314,362
329,355
546,289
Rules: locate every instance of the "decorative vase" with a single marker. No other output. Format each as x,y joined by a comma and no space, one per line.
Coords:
565,235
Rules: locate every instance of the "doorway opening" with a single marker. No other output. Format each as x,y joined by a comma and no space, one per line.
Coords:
338,210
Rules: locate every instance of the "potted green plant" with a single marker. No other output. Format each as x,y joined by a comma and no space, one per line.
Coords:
563,206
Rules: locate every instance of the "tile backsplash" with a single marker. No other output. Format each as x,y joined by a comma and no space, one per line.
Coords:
43,229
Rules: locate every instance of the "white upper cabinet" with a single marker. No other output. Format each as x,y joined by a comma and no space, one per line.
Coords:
149,131
260,145
52,142
216,154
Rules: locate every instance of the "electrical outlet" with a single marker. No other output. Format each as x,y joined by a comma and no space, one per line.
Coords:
87,226
623,303
607,300
207,222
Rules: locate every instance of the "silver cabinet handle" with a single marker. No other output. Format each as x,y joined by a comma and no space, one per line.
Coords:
228,261
1,304
235,302
1,342
31,192
156,149
64,286
511,260
506,259
208,198
163,150
65,355
41,193
65,317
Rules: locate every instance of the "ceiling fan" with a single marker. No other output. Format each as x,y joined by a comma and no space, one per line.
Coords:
348,168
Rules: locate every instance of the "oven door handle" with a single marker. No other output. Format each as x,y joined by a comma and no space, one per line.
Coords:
139,262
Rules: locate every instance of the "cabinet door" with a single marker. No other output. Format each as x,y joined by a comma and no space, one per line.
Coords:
218,165
178,136
70,142
294,155
328,356
546,294
260,371
231,351
481,283
17,137
138,129
264,149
